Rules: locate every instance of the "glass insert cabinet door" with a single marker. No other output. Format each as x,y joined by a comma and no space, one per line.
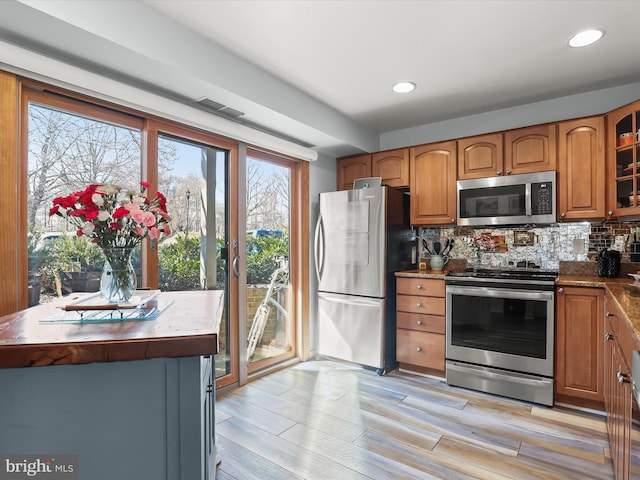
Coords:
627,160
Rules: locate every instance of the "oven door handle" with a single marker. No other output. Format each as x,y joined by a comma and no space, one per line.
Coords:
512,377
499,292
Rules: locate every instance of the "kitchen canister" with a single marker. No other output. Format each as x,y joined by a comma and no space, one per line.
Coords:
608,263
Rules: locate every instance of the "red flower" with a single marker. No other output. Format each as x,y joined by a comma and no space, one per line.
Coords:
91,213
162,200
120,212
118,218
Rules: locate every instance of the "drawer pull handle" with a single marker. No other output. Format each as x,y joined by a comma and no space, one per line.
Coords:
418,305
608,336
621,377
419,322
419,287
609,314
419,349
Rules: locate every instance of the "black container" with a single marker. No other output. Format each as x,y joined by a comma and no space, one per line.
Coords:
608,263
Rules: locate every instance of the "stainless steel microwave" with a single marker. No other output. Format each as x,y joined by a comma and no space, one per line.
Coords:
508,200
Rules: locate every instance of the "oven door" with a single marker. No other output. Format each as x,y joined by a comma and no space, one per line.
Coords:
498,327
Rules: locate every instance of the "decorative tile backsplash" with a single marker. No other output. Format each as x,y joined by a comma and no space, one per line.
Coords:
545,246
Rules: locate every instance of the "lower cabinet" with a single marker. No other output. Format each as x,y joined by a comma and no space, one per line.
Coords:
579,347
143,419
420,334
620,404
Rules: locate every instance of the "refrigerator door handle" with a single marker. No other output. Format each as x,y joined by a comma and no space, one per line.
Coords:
319,247
351,300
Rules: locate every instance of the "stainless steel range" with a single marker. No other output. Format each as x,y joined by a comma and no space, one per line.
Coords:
500,332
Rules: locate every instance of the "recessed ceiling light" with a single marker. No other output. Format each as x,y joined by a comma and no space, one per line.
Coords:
586,37
404,87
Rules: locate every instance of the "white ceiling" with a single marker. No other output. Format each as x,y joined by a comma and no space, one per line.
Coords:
466,56
320,71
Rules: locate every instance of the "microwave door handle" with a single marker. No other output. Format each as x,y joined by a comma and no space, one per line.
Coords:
527,199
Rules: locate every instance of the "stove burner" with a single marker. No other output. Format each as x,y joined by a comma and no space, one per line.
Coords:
531,274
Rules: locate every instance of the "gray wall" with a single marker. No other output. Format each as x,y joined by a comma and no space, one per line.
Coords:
564,108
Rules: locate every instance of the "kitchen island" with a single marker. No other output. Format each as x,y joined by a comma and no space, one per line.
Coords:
131,399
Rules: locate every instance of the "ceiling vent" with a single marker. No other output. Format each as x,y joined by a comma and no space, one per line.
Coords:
220,108
234,115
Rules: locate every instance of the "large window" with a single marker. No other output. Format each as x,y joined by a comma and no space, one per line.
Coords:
69,141
69,147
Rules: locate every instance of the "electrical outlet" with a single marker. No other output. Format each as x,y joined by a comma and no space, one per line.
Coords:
578,245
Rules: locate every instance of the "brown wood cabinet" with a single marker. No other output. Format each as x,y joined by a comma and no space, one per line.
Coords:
480,156
579,346
392,166
530,149
623,161
581,169
351,168
432,174
420,332
620,405
522,150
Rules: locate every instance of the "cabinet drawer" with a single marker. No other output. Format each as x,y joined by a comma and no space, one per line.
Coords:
420,286
422,349
416,304
419,322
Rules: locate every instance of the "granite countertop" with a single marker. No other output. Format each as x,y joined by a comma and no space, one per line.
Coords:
187,327
423,274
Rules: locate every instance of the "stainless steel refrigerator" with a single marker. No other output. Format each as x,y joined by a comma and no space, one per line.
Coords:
361,239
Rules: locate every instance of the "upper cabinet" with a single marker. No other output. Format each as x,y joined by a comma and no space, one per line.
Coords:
480,156
530,149
352,168
392,166
524,150
623,161
581,162
433,184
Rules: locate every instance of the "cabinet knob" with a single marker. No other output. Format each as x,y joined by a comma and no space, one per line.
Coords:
610,212
609,314
561,290
419,287
419,349
418,305
563,214
419,322
453,220
608,336
508,172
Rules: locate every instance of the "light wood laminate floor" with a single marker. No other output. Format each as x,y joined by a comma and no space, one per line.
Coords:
329,421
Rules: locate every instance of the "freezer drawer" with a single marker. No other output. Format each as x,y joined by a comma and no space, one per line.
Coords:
352,329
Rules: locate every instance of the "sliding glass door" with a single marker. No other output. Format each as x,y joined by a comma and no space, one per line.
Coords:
269,301
195,257
237,219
